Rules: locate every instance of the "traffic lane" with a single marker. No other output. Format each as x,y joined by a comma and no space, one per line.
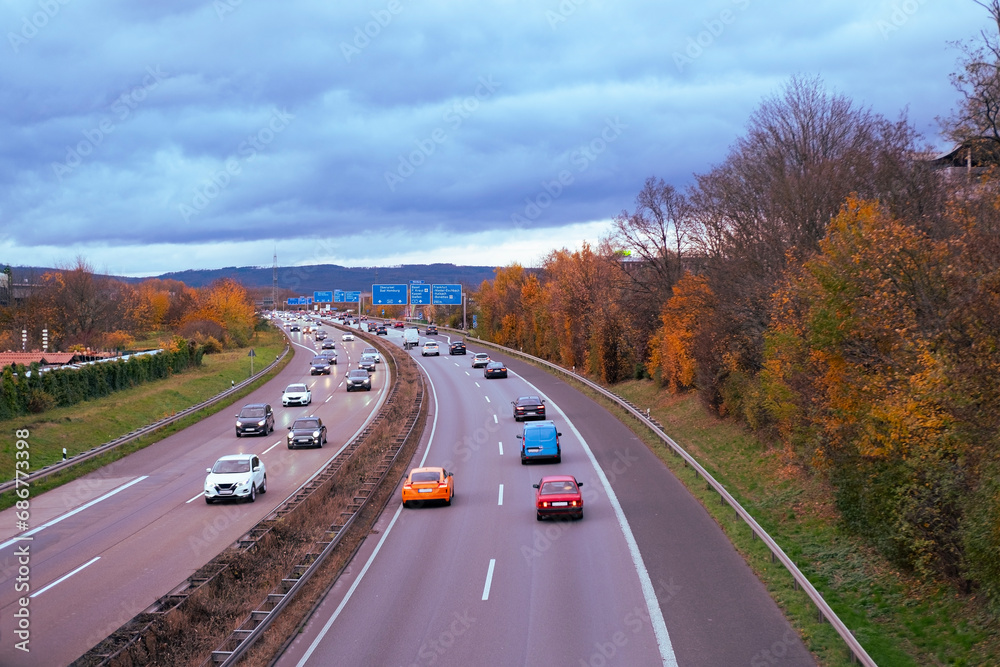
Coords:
539,575
715,608
98,529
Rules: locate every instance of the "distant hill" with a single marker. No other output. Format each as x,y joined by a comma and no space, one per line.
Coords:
319,277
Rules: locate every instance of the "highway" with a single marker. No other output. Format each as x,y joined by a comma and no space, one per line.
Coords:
646,578
106,546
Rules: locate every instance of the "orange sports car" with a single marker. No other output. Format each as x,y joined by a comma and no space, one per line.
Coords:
423,484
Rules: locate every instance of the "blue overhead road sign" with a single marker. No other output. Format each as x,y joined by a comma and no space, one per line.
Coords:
420,294
338,296
323,297
389,295
352,297
446,295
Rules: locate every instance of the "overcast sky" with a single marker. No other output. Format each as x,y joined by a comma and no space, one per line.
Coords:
181,134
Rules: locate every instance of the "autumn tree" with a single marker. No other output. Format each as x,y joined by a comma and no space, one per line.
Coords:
227,304
805,152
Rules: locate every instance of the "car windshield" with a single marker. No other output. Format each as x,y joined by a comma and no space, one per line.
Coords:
528,400
425,477
252,412
293,388
559,487
358,374
319,360
305,423
371,351
231,465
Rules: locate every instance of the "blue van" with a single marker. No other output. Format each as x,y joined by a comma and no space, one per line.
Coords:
540,440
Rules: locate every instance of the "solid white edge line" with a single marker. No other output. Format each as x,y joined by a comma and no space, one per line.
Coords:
500,499
350,592
69,514
648,592
489,579
65,577
371,559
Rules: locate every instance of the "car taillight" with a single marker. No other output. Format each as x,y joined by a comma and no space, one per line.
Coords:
545,503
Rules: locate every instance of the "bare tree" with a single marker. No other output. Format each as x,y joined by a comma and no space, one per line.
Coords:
976,121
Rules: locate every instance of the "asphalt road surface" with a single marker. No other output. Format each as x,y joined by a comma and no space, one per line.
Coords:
105,547
646,578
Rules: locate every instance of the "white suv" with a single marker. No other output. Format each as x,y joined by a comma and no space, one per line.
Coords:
237,476
296,394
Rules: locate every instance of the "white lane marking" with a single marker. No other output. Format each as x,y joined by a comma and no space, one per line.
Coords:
328,398
354,586
469,374
270,448
495,420
487,399
500,499
500,444
195,498
477,384
65,577
69,514
648,593
343,603
489,579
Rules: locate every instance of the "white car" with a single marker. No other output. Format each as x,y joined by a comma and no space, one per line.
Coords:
480,360
430,347
237,476
347,336
296,394
373,352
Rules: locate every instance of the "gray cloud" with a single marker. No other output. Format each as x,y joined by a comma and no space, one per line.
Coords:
117,116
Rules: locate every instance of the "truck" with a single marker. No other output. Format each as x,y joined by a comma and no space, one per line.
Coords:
411,338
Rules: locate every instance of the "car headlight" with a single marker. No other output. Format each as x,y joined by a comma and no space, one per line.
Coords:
260,423
315,434
291,436
239,423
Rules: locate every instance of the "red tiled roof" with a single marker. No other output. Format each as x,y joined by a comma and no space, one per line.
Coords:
27,358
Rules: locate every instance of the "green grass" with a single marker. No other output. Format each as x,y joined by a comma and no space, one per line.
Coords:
900,620
86,425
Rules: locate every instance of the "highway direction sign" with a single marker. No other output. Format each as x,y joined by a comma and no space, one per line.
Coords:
420,294
389,295
446,295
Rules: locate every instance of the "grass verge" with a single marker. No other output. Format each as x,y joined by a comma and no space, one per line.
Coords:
86,425
900,620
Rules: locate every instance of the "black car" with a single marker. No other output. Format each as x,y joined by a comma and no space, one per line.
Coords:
320,335
328,344
255,419
294,327
431,330
358,379
526,407
495,369
307,432
381,331
319,366
458,347
367,362
329,355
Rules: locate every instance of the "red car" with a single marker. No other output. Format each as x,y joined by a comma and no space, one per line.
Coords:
558,495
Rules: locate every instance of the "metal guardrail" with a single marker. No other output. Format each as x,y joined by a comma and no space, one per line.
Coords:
139,432
261,619
825,613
